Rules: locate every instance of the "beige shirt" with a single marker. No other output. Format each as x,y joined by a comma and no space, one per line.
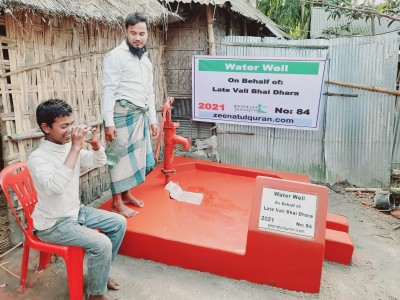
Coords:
57,186
125,76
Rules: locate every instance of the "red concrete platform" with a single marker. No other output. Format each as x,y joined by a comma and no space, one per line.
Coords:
338,247
220,222
221,235
337,222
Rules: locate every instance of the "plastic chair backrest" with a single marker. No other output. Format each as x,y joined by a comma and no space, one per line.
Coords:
18,178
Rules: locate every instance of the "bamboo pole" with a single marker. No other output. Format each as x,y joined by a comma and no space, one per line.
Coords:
16,246
210,30
276,45
39,134
8,271
369,190
393,190
230,29
50,62
364,87
25,136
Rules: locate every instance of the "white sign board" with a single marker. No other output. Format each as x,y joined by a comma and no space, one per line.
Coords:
271,92
289,212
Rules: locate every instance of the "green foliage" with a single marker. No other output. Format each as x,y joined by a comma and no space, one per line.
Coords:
293,16
391,8
345,8
341,11
343,30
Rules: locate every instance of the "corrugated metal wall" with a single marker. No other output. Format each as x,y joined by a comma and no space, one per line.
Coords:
356,134
396,144
360,130
320,22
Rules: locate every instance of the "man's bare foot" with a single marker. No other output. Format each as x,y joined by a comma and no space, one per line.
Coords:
100,297
127,198
124,210
112,284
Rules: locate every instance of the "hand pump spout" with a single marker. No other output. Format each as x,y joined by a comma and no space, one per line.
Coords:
177,139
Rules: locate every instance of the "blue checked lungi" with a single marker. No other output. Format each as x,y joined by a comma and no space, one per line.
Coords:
132,126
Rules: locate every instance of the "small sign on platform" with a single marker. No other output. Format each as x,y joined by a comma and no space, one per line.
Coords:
287,230
287,211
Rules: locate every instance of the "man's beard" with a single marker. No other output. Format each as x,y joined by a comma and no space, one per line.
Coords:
136,51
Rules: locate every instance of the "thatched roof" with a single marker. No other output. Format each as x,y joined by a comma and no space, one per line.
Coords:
107,11
244,9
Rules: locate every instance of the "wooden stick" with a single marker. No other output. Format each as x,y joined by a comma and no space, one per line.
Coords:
25,136
39,134
50,62
4,254
9,271
210,30
372,190
369,190
274,45
395,172
365,87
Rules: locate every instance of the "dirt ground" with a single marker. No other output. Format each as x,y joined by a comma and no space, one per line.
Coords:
373,274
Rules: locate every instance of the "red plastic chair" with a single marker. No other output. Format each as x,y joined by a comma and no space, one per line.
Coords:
18,179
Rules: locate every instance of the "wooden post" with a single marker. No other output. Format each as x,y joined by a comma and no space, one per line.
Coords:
210,30
230,29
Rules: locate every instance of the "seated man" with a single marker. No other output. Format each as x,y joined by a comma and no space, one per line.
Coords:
59,217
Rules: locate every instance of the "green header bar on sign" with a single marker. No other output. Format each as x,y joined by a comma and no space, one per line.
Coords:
255,66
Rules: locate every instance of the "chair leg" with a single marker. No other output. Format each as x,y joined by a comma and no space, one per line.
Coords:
74,264
44,260
24,269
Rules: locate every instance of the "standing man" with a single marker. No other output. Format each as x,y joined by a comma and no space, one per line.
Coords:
59,217
128,109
